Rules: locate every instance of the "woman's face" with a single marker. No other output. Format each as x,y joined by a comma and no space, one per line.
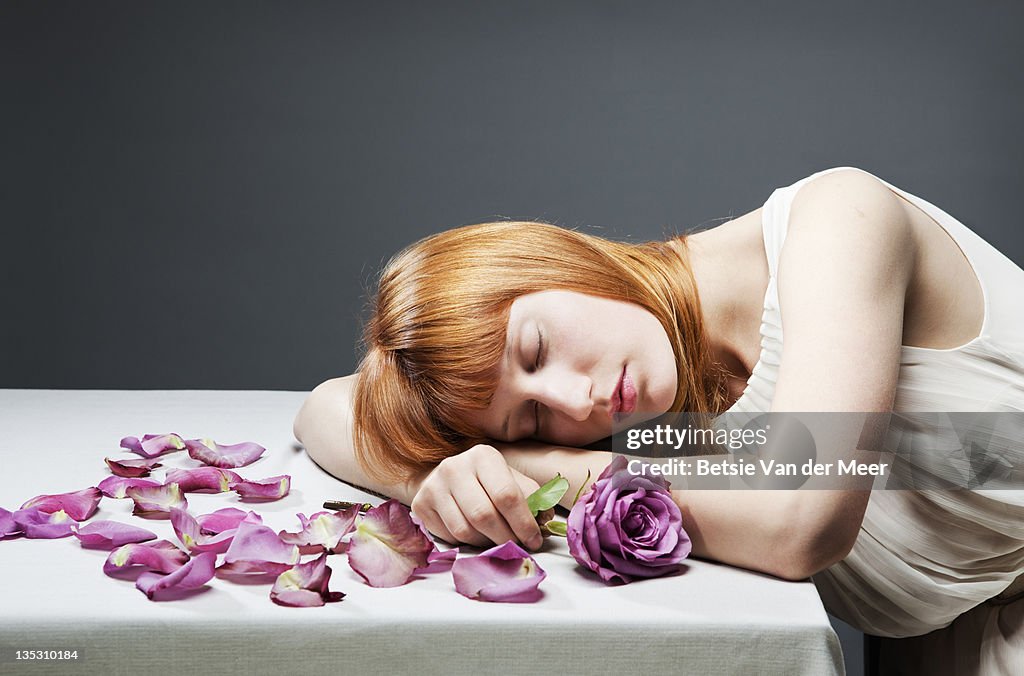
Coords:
577,368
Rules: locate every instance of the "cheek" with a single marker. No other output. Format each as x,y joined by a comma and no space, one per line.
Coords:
664,377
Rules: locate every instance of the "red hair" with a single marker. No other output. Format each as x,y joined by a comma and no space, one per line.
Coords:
437,331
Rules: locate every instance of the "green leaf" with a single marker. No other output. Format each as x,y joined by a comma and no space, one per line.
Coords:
548,495
557,527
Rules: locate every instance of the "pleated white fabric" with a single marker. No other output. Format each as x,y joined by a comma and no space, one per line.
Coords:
926,557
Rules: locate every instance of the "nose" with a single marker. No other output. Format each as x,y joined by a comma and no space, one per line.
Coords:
567,393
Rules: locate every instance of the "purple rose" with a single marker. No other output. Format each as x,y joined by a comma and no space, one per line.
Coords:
627,527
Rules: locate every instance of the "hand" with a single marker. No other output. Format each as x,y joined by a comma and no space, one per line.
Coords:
476,498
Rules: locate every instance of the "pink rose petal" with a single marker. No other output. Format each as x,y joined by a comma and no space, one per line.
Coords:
251,572
438,561
156,502
153,445
256,542
224,519
8,526
195,541
37,524
161,555
132,468
388,546
305,585
115,486
110,534
325,529
79,505
271,488
195,573
257,550
211,453
202,479
505,573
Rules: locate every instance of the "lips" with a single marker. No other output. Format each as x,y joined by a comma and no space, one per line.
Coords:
624,398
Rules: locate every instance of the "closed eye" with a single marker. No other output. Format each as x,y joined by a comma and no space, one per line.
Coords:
540,350
536,367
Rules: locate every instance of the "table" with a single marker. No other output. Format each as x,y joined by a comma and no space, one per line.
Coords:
713,619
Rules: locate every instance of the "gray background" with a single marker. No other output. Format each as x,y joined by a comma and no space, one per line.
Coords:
198,195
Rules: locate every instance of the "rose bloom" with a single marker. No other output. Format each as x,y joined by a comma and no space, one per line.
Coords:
627,527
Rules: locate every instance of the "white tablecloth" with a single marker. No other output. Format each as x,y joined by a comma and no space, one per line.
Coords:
713,619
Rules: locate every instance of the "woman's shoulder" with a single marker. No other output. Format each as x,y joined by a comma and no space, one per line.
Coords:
325,404
842,205
846,215
844,189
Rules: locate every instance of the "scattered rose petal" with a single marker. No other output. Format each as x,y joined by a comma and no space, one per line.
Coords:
388,546
110,534
305,585
35,523
156,502
153,445
257,550
8,526
323,529
161,555
224,519
195,573
505,573
202,479
115,486
251,572
79,505
438,561
256,542
132,468
195,541
210,452
271,488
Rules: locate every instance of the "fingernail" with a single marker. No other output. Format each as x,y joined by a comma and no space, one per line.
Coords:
536,541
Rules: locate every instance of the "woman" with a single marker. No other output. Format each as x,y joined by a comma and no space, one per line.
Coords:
496,351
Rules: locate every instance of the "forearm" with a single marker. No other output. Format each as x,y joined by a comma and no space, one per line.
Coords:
772,531
741,528
324,427
780,532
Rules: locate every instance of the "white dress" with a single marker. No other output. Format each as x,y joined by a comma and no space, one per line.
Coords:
945,566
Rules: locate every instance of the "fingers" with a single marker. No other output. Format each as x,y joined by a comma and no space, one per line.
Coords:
509,499
435,524
476,498
425,505
482,514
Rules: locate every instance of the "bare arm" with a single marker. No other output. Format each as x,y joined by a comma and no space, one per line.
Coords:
472,497
741,528
843,278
